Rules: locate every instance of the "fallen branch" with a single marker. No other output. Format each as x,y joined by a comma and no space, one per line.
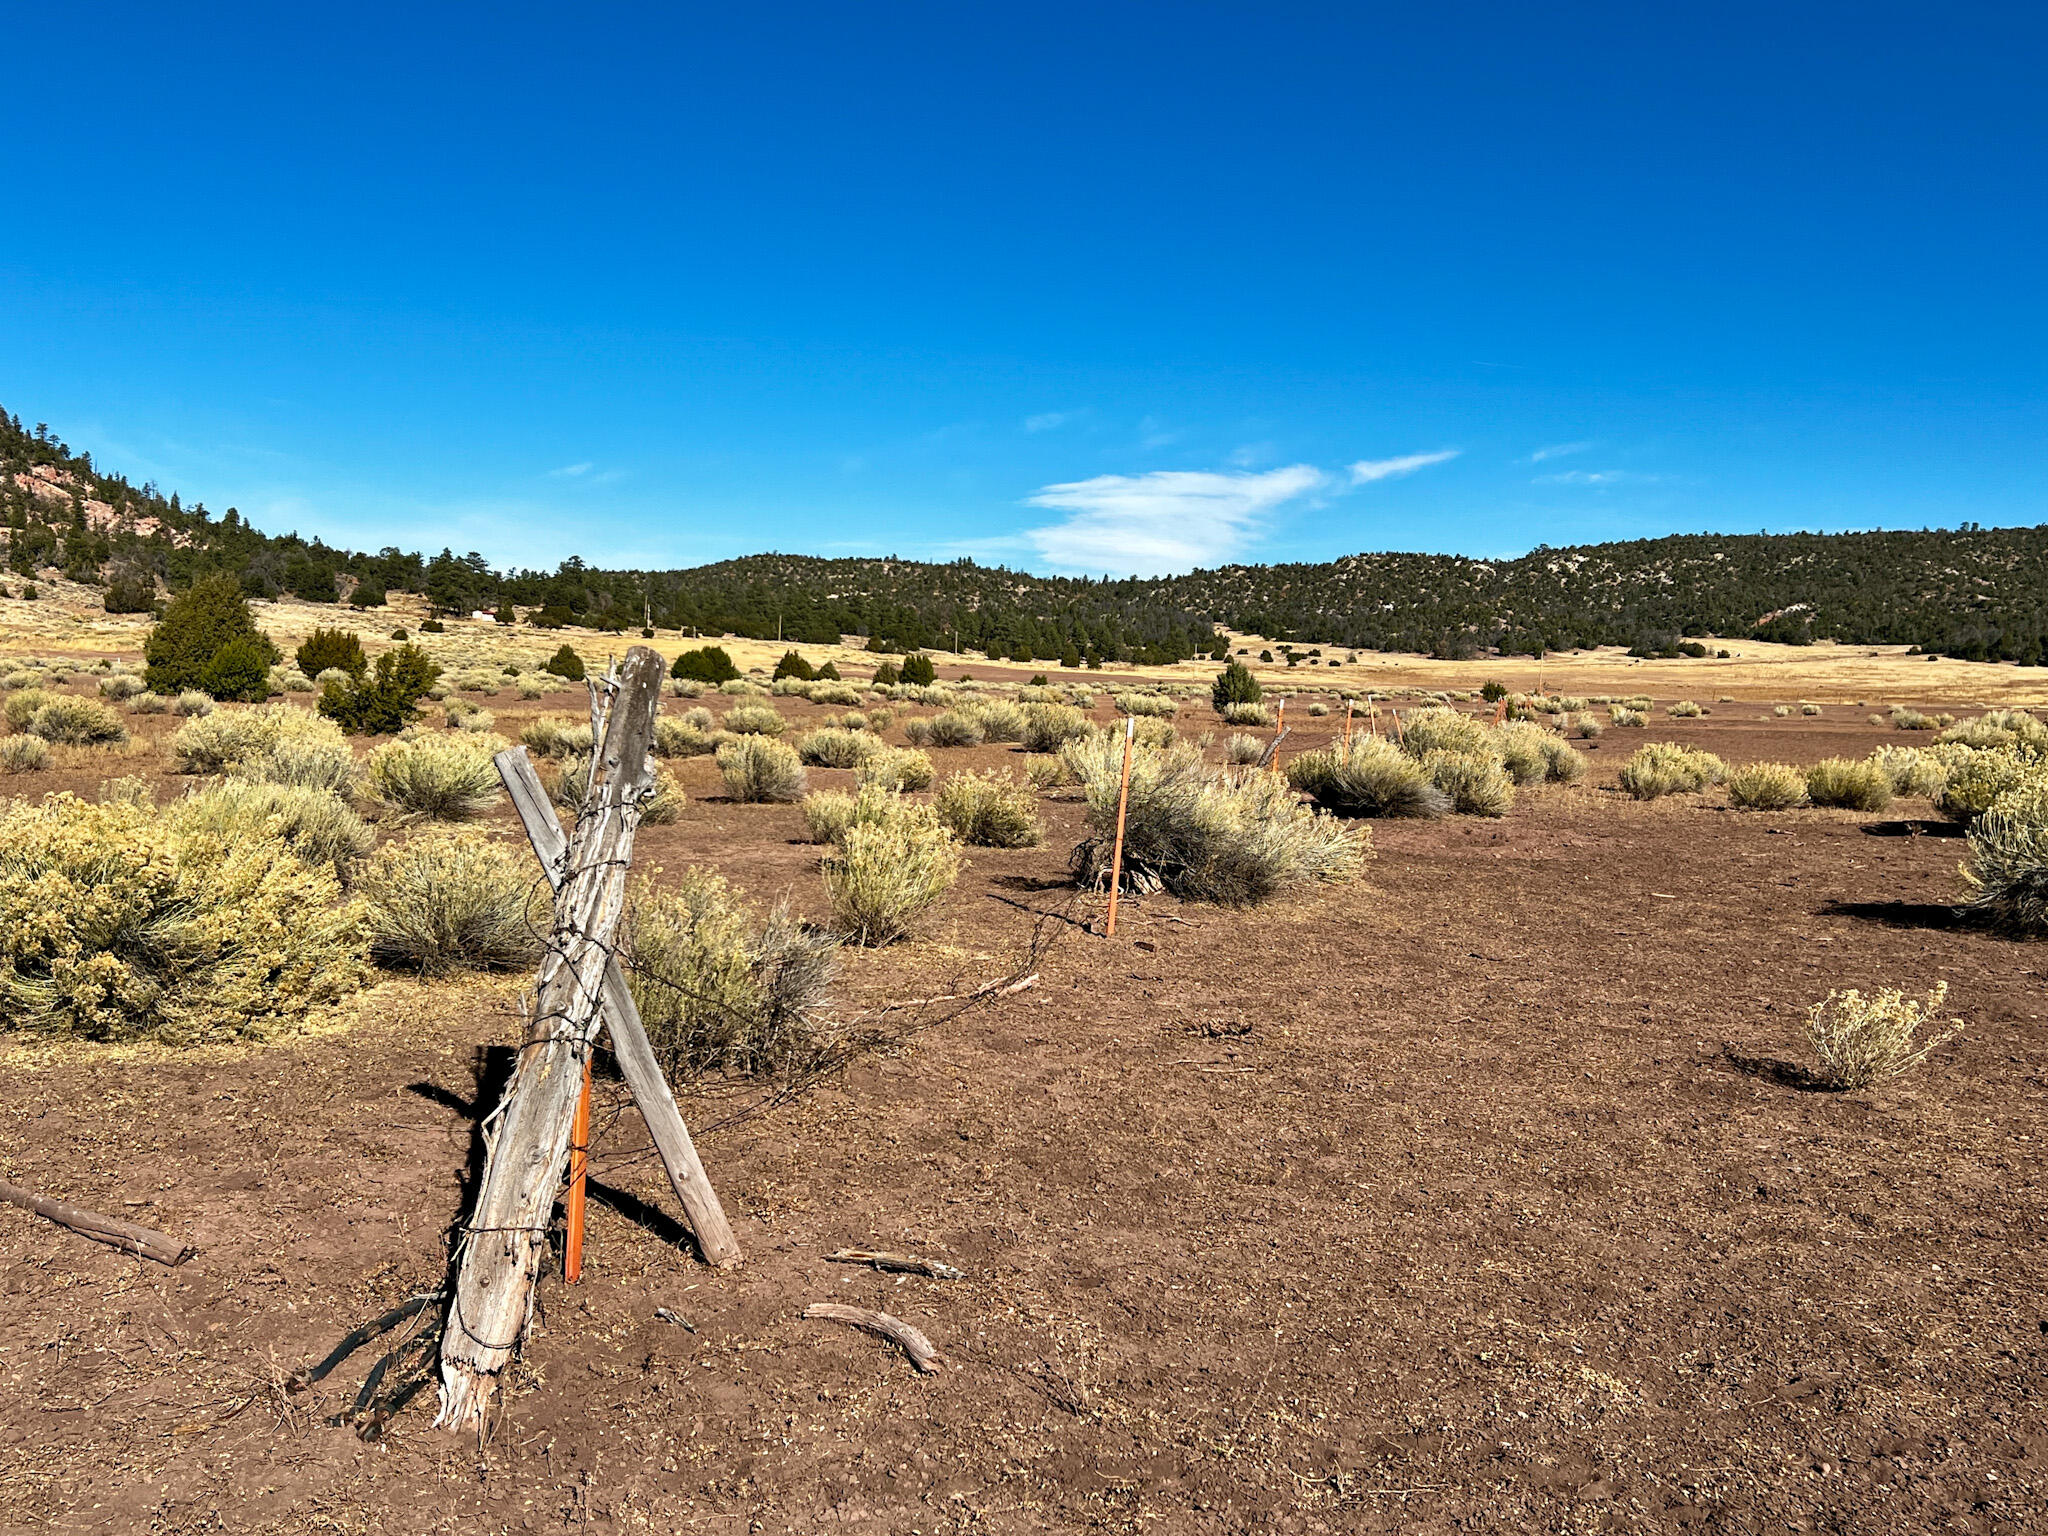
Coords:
124,1235
897,1263
981,994
923,1354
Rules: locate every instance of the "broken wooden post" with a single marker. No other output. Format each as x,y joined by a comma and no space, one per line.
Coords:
637,1061
125,1235
505,1237
1123,799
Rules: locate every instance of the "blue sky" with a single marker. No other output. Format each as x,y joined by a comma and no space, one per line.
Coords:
1088,288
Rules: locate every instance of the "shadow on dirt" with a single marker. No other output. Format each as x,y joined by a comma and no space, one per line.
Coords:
1913,829
1786,1074
1899,914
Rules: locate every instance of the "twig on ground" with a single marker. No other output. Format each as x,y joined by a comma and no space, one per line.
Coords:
899,1263
922,1352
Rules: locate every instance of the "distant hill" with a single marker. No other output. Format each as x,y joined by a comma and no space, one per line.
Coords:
1972,592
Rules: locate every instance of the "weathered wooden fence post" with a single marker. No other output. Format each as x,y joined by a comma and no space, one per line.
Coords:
506,1235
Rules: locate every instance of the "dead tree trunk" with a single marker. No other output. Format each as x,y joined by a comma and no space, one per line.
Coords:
506,1236
637,1061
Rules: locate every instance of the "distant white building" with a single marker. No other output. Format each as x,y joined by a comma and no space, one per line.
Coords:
483,618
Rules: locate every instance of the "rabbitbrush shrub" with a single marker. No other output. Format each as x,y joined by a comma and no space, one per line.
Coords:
564,735
316,824
23,754
1240,751
719,990
1367,776
442,778
990,810
1849,783
897,768
1863,1040
1444,730
1204,834
830,748
955,728
1663,768
885,874
1766,787
115,925
68,720
1912,771
450,900
1975,779
1476,782
1524,751
2007,871
1247,714
1048,727
754,720
760,770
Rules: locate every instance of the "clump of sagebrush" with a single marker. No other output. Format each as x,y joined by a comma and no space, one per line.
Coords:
1905,718
1524,751
441,778
447,900
1685,709
279,743
1000,720
316,824
1586,725
1203,834
1911,771
834,748
897,768
1475,782
1444,730
990,810
1625,717
1864,1040
1241,751
2007,871
1045,772
68,720
721,990
121,686
1247,714
149,704
119,925
1766,787
384,700
885,873
1849,784
760,770
1974,779
564,735
754,720
1366,776
1133,703
24,754
1048,727
1561,765
1999,728
192,702
955,728
1663,768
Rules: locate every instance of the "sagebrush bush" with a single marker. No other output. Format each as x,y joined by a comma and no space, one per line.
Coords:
448,900
1048,727
1444,730
277,741
1241,751
441,778
149,704
720,990
828,813
897,768
1367,776
677,738
116,925
754,720
24,754
990,810
121,687
1000,720
1685,709
564,735
75,722
837,748
316,824
569,787
1663,768
1523,750
761,770
1586,726
1974,779
1766,787
1044,772
1623,716
1247,714
1205,835
1848,784
2007,871
1912,771
1864,1040
1153,704
192,702
1475,782
1561,765
955,728
883,875
1999,728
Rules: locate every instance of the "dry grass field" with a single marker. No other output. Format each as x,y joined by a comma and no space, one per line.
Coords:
1491,1192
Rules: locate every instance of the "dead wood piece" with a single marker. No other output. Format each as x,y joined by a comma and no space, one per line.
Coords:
898,1263
637,1061
982,994
922,1352
505,1236
124,1235
670,1315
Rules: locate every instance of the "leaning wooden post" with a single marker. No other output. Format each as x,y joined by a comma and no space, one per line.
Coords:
637,1061
579,1192
1123,799
505,1237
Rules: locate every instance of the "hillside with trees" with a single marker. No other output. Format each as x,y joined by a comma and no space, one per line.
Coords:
1971,592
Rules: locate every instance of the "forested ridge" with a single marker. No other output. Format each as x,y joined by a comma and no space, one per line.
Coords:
1972,592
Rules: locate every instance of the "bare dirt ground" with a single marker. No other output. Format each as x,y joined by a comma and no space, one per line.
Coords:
1485,1195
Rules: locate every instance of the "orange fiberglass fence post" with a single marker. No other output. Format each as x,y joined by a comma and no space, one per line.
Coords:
579,1167
1123,797
1348,706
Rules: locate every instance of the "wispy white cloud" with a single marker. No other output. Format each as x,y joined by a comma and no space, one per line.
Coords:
1154,433
1365,471
1168,520
1049,421
1597,477
1558,451
571,471
1252,455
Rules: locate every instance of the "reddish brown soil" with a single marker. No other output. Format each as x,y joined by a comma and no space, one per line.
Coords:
1481,1196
